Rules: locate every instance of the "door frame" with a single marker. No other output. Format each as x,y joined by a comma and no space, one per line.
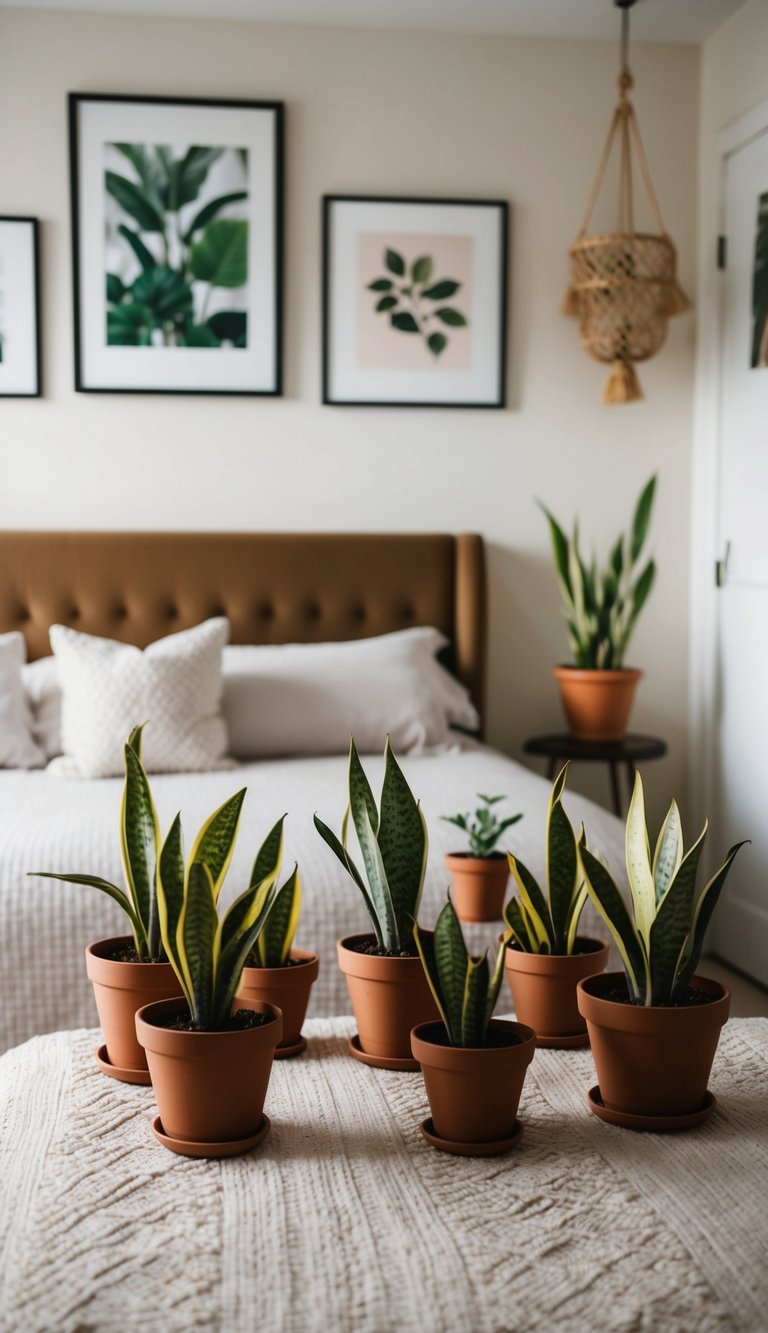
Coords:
705,474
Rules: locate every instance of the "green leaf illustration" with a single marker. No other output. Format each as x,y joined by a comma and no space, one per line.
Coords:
209,212
134,201
386,303
129,325
395,263
381,285
441,290
437,343
450,316
115,289
404,322
187,177
421,269
221,255
229,326
199,335
144,256
164,291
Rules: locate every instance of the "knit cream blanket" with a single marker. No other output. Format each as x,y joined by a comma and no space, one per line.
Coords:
345,1221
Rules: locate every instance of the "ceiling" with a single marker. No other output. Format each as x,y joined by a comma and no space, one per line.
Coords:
652,20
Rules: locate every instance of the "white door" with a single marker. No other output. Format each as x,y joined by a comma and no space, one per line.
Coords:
740,786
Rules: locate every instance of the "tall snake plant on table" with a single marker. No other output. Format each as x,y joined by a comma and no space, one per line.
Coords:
654,1030
601,608
387,987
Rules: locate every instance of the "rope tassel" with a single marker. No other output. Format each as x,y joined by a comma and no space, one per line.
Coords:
571,305
622,386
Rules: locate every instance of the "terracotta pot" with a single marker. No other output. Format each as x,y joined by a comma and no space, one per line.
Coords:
119,990
543,987
210,1086
473,1092
652,1060
479,885
287,987
597,703
389,996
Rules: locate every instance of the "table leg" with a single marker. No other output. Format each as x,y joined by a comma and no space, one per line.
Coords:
615,793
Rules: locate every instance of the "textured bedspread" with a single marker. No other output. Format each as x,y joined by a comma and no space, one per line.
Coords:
50,823
345,1220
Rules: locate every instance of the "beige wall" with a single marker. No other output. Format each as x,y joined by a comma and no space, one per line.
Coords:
381,112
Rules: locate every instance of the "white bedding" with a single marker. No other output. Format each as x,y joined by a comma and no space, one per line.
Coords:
47,823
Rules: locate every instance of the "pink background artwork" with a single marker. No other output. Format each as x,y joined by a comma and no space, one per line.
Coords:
379,345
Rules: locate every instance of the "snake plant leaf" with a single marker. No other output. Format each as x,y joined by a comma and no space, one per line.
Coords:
403,843
577,907
170,887
494,985
701,919
134,201
395,263
237,934
425,945
142,253
112,891
338,848
639,873
404,321
451,960
534,903
560,552
671,928
617,557
516,922
279,929
195,938
668,853
215,842
140,839
453,318
421,269
642,518
474,1002
163,291
209,211
378,886
610,904
266,865
221,255
561,859
440,291
360,793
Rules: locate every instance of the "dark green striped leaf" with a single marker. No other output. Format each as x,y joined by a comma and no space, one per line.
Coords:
279,927
702,917
672,925
170,888
451,960
641,518
139,838
475,1001
610,904
402,839
199,924
215,842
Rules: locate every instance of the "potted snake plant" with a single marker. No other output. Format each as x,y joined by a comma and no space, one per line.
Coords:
473,1065
131,970
654,1028
601,608
546,956
210,1053
387,987
275,972
479,875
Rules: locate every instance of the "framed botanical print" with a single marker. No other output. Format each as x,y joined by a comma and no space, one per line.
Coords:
414,302
177,244
19,308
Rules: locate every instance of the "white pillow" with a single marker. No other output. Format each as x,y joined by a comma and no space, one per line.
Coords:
308,698
174,685
43,693
17,745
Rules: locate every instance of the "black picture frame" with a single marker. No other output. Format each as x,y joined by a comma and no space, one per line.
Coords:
37,390
275,108
495,401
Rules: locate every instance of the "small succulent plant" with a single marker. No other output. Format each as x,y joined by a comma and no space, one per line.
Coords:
482,828
464,987
661,937
547,921
393,844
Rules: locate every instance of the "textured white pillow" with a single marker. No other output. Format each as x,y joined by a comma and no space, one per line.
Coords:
17,746
43,693
174,686
308,698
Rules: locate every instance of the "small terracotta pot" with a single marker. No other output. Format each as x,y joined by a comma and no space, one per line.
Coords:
119,990
287,987
652,1060
210,1086
479,885
597,703
389,996
473,1092
543,987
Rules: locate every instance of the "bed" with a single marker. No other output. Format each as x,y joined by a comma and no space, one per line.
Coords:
274,588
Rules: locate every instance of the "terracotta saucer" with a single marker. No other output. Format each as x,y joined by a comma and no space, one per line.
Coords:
564,1043
141,1076
380,1061
286,1052
659,1124
469,1149
230,1148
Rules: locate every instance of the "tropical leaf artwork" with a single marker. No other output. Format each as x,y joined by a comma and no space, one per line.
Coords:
177,246
416,301
760,288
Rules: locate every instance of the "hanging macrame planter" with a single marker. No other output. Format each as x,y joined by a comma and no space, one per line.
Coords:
624,286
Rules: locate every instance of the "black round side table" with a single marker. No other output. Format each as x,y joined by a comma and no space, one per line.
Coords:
630,752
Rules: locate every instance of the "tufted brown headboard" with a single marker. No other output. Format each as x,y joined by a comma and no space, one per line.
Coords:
274,587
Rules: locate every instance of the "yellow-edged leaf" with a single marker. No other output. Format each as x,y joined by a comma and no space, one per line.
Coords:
639,871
